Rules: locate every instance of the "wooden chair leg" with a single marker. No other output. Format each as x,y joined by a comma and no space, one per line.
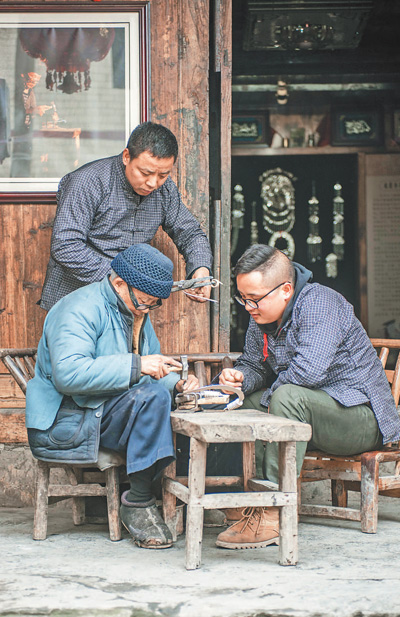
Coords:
169,501
113,505
298,497
339,494
249,462
195,513
78,510
369,492
288,546
41,500
75,476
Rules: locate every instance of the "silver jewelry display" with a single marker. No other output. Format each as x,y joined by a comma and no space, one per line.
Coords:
314,240
238,208
253,224
338,222
331,265
331,261
277,193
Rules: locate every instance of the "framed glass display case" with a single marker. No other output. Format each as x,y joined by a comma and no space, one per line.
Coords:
72,88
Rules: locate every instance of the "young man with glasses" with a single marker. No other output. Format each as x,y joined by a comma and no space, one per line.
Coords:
100,379
306,358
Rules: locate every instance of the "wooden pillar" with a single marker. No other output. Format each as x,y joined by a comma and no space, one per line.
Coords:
179,100
220,159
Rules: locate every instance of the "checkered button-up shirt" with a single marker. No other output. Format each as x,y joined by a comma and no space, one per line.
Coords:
321,346
99,214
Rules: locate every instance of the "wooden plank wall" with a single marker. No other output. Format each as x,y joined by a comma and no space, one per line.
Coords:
179,99
25,231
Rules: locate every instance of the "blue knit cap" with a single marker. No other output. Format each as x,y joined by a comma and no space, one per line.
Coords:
142,266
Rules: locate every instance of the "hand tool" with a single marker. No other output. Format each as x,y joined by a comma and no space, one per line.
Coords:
193,283
192,400
184,370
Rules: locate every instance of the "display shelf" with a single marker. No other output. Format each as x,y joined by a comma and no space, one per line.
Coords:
263,150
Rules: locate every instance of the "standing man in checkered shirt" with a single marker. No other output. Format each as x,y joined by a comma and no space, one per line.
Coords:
110,204
306,358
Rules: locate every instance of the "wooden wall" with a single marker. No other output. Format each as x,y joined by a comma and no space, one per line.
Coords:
25,231
179,99
179,66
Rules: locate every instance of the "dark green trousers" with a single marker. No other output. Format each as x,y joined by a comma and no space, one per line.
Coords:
335,429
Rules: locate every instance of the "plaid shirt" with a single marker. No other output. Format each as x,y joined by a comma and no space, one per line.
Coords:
322,346
99,214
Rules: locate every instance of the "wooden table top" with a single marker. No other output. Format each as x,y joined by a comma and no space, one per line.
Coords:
238,426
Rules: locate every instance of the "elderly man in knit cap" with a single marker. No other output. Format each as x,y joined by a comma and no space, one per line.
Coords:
100,379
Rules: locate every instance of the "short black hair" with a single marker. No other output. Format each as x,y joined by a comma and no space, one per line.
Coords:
153,138
265,259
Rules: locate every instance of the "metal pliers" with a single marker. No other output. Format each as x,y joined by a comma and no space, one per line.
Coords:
193,283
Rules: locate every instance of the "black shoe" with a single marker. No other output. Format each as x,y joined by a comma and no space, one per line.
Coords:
144,523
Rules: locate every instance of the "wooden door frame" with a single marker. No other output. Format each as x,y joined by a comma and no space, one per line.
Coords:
220,184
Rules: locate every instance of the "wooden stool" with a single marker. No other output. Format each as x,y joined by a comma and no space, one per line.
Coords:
83,481
226,427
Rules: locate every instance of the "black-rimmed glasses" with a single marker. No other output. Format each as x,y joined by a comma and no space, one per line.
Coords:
143,307
255,303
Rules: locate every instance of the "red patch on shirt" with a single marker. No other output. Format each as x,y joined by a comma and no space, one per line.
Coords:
265,348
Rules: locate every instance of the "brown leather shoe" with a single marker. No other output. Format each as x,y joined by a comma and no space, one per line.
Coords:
257,528
233,514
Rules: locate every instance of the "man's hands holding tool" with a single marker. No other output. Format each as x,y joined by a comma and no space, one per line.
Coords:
157,366
199,294
190,384
231,377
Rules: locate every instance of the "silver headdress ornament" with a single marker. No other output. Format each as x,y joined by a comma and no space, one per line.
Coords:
277,192
253,224
238,209
338,233
338,222
314,240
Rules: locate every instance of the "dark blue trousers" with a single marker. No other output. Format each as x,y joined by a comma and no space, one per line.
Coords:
137,424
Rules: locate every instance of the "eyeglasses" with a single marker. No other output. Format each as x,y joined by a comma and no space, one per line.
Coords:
143,307
255,303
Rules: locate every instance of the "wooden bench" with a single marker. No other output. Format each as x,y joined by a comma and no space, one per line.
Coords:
361,473
19,366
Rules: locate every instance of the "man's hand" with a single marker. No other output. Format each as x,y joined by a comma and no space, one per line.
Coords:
231,377
158,366
201,292
190,384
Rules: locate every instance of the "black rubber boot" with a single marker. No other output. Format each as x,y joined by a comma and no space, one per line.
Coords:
145,524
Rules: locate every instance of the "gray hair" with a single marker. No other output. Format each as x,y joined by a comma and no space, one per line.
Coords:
113,275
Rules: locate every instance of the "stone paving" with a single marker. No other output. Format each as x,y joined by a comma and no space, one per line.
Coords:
79,572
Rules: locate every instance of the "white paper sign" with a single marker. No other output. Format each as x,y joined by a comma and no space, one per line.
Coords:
383,252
